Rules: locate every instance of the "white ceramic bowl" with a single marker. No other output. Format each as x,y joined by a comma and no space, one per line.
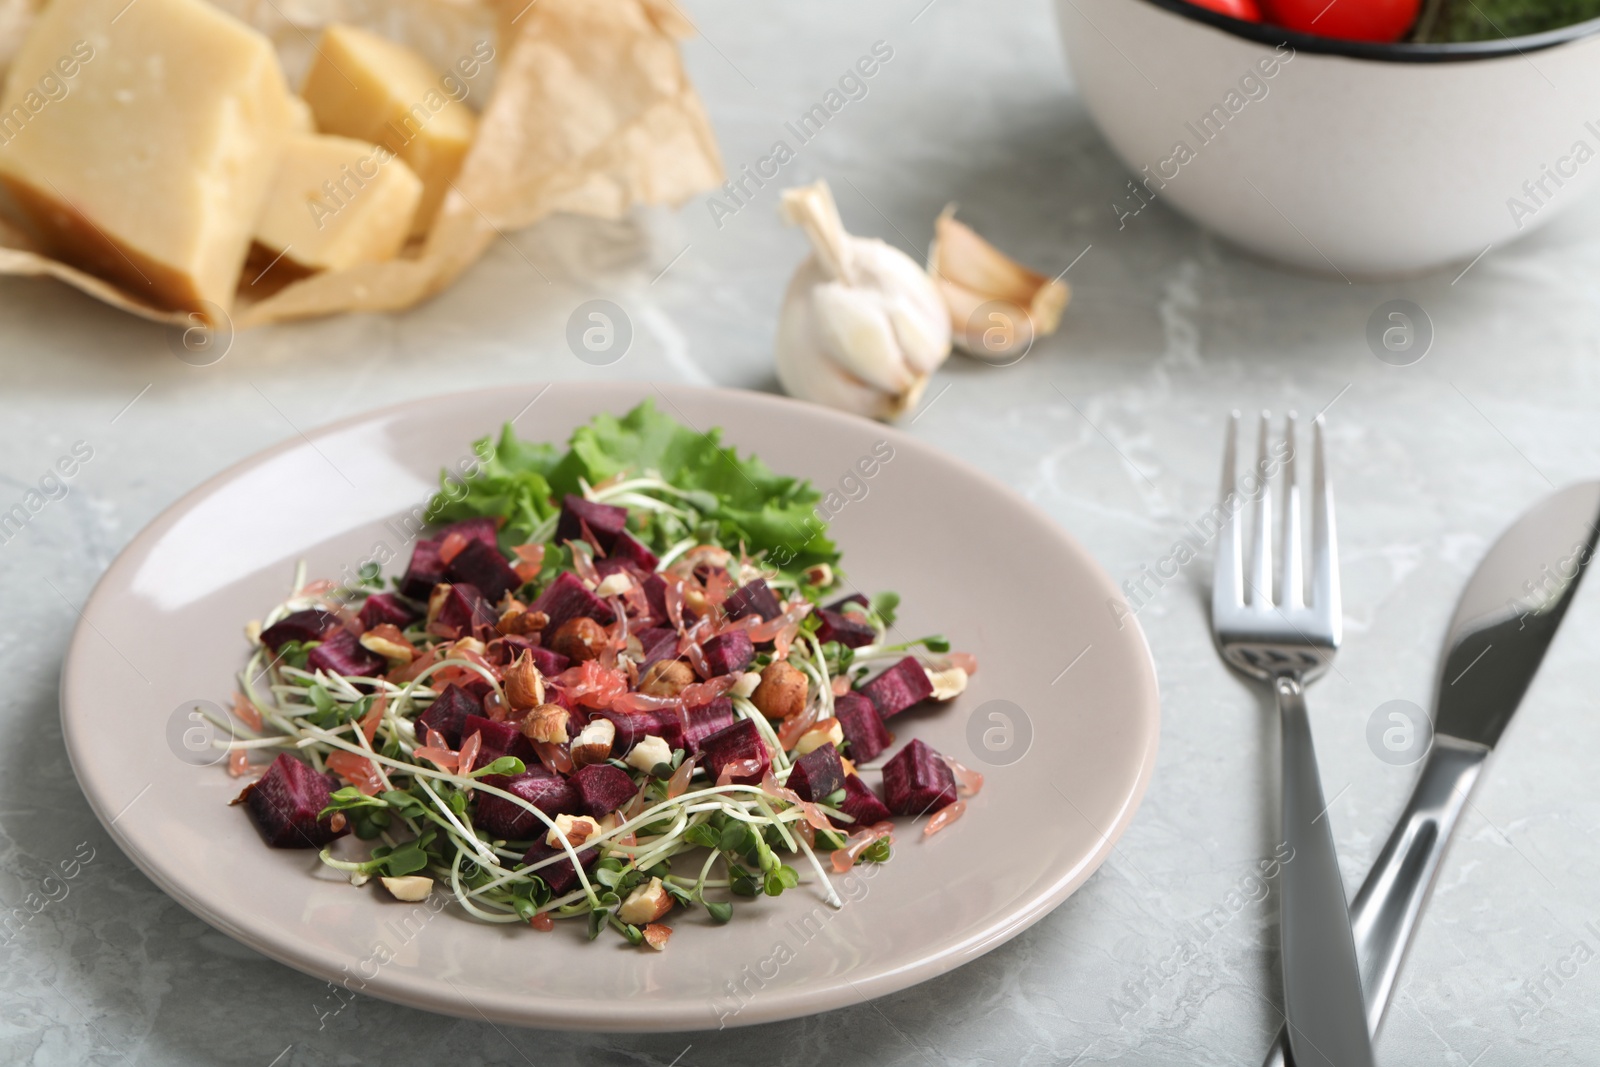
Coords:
1340,157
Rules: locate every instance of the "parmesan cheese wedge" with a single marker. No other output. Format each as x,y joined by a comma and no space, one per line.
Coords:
140,140
368,87
338,202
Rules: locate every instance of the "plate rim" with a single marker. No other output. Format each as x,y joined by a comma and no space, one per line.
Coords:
774,1005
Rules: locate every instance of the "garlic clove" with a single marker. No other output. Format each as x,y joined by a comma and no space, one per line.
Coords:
860,335
807,372
862,326
923,333
915,306
970,273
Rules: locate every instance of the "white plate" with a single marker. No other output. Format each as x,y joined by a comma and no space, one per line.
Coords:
1067,761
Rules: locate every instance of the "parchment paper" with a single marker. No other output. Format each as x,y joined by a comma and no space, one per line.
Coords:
585,108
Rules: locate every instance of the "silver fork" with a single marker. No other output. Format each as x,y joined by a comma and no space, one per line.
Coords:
1289,642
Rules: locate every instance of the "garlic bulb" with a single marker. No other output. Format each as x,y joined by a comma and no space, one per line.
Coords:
862,327
998,307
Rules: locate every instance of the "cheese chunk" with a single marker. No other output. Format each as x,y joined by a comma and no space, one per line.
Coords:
338,202
140,139
300,116
368,87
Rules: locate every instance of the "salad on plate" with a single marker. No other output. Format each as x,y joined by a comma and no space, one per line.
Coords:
615,682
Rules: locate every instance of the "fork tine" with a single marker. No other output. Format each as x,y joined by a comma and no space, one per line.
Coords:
1261,552
1292,592
1324,540
1225,590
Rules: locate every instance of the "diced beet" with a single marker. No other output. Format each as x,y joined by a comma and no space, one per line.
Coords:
483,566
629,548
464,607
817,773
383,608
605,568
705,720
633,727
658,644
498,739
655,593
861,803
285,803
917,780
899,687
848,630
543,788
568,598
862,725
425,571
844,602
605,521
651,634
604,788
504,651
341,653
756,598
740,741
477,687
310,625
559,876
484,530
448,714
729,653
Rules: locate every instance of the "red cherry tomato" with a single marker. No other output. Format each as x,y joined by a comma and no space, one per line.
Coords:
1239,9
1349,20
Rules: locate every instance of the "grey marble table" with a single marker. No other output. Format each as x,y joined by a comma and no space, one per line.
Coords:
1113,426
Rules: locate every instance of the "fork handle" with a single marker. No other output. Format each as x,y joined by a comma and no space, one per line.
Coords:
1323,1002
1384,915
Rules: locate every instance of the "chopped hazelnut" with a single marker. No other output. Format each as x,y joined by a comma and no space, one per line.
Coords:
649,754
656,935
614,584
646,904
523,683
745,685
666,678
436,599
593,743
466,644
409,887
518,620
579,639
712,554
948,683
387,641
821,734
820,575
547,723
578,828
782,691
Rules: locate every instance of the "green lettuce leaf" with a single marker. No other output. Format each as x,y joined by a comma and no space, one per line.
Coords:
732,500
512,482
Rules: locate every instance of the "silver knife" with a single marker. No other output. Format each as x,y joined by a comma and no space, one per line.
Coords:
1508,614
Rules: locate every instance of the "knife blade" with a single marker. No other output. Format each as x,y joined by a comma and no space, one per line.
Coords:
1508,614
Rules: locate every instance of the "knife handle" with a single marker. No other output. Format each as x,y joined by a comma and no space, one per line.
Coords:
1384,914
1322,991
